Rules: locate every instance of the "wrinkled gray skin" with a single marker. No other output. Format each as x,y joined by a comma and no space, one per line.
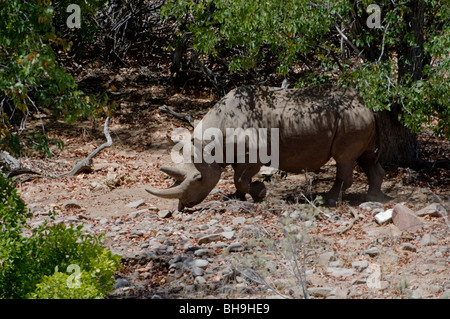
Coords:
314,124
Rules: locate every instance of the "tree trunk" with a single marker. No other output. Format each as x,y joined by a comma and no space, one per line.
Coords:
398,144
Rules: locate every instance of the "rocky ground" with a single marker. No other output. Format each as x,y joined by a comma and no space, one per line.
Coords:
286,246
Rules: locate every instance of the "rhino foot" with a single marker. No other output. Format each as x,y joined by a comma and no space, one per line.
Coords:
236,196
258,191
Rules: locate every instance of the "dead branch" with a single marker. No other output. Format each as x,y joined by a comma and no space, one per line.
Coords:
186,118
85,165
13,165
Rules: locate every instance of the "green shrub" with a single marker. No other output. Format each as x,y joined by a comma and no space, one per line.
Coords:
31,78
31,260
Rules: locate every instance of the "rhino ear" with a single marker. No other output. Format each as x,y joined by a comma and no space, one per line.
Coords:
177,173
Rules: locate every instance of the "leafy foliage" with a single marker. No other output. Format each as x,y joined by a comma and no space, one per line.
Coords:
329,41
29,264
30,77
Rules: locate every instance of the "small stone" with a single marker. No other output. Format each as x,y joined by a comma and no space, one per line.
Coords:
360,265
112,180
372,252
368,206
96,186
203,251
136,233
199,280
428,240
228,234
73,204
197,271
337,263
164,213
209,238
325,258
434,210
133,215
405,219
319,291
340,272
409,247
135,204
200,263
235,247
238,220
103,221
384,217
120,282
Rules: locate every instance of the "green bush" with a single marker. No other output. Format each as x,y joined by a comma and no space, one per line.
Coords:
31,78
36,265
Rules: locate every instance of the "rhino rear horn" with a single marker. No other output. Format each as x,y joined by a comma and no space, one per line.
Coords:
177,173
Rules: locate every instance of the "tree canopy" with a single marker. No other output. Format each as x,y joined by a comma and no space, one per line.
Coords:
332,41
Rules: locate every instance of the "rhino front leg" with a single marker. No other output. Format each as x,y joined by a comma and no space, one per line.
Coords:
344,179
243,173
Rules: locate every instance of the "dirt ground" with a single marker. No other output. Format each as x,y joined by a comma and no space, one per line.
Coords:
407,266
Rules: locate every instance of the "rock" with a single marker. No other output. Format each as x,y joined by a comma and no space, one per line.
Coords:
72,204
103,221
164,213
203,251
360,265
135,204
434,210
405,219
267,171
372,252
319,291
200,263
96,186
325,258
337,263
409,247
428,240
135,233
228,234
238,220
121,282
340,272
199,280
384,217
235,247
368,206
112,180
209,238
197,271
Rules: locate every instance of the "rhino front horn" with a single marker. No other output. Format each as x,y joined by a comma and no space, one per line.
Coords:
172,192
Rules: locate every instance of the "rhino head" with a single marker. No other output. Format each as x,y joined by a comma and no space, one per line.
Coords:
193,183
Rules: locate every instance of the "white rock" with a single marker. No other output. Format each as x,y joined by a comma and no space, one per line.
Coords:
228,234
384,217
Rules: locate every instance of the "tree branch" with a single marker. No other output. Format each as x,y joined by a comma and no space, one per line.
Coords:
86,164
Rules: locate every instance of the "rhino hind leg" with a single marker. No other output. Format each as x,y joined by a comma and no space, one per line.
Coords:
243,173
375,174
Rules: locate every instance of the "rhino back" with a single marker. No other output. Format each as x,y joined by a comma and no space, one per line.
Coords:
308,119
